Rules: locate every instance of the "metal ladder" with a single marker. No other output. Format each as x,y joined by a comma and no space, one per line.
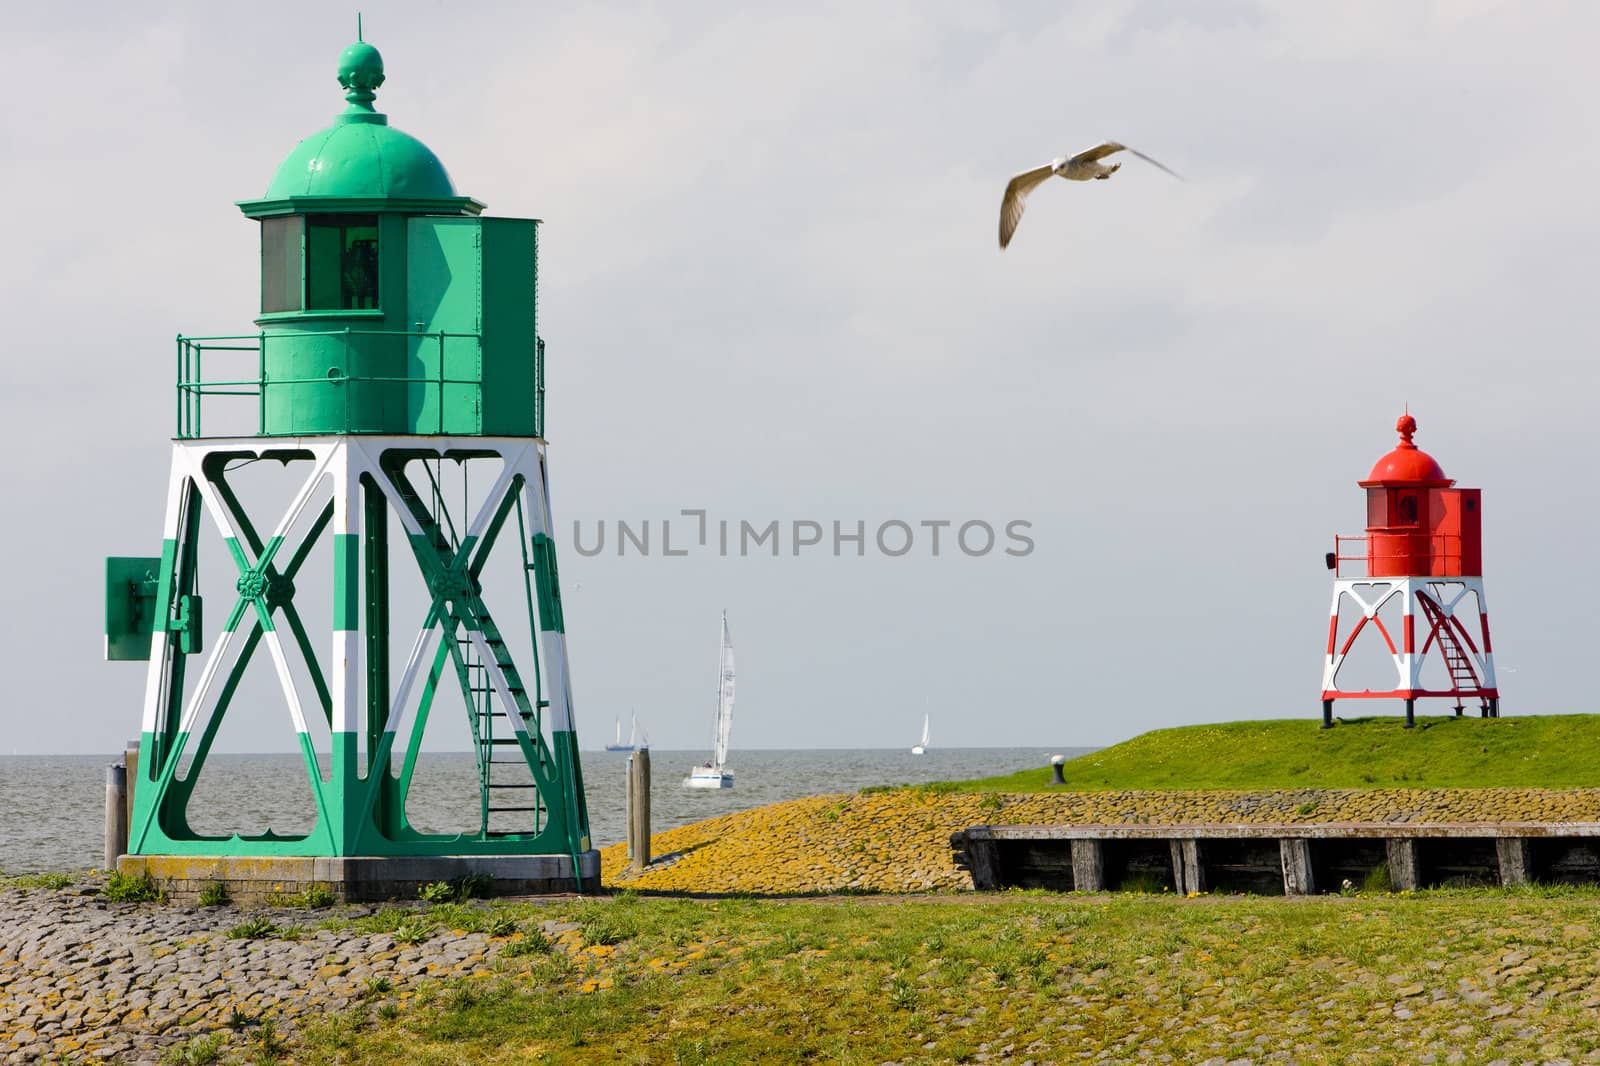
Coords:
1458,663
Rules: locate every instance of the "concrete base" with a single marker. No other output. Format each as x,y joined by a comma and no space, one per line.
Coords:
353,879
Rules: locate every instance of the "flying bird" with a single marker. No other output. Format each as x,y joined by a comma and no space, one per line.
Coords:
1085,166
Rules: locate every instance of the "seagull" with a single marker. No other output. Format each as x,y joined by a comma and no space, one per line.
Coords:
1085,166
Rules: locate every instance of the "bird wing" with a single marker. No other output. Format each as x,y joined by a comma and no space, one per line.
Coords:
1100,151
1155,163
1016,197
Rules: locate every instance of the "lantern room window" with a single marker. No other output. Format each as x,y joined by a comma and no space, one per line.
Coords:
319,263
280,263
341,262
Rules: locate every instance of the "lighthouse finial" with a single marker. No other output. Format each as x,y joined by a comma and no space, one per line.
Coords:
1406,426
360,74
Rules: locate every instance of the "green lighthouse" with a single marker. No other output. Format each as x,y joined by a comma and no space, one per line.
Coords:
397,372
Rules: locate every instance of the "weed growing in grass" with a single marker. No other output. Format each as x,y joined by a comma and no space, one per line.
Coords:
501,925
383,920
902,993
378,985
51,881
266,1046
473,886
388,1011
602,924
125,888
239,1020
414,930
196,1051
437,892
257,928
1377,879
215,894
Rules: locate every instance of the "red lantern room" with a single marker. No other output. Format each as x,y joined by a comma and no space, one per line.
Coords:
1418,525
1414,580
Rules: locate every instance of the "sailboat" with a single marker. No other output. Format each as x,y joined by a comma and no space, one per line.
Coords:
633,736
715,773
922,745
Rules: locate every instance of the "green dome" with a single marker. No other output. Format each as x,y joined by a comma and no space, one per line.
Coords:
361,159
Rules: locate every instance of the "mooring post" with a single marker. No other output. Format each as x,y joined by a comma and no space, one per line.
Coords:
1056,776
1088,866
639,808
116,813
1297,877
130,759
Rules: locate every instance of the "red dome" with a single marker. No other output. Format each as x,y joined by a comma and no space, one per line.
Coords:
1407,464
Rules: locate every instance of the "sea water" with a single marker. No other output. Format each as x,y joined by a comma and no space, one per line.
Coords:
52,807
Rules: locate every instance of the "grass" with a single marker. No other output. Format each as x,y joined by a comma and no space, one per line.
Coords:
1359,979
44,880
1556,751
254,929
124,888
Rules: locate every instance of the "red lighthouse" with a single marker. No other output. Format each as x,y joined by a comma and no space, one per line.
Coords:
1413,581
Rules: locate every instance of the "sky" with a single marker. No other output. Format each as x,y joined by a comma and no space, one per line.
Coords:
771,291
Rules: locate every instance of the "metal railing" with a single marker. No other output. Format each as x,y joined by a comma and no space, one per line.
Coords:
1442,551
193,387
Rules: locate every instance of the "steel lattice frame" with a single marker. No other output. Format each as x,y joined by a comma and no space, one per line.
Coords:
1439,602
354,485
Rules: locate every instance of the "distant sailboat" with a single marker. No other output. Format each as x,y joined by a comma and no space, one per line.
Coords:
715,773
633,736
922,745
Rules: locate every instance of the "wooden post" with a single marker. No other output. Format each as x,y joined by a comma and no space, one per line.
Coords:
639,808
130,759
1297,876
1403,872
1514,860
1088,866
983,861
116,813
1188,876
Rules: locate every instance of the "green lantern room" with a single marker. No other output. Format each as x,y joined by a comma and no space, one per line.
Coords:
389,304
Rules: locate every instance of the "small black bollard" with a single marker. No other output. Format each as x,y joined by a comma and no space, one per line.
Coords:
1056,776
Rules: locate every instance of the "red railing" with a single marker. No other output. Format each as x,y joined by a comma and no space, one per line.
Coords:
1413,553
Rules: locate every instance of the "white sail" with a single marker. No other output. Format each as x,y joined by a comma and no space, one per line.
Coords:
924,742
633,731
719,756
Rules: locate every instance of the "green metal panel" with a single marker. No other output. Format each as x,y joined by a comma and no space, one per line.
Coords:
510,250
443,296
131,585
474,276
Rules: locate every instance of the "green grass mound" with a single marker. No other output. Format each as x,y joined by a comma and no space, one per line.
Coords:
1556,751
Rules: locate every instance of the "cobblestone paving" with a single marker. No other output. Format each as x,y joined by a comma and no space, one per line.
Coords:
85,980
